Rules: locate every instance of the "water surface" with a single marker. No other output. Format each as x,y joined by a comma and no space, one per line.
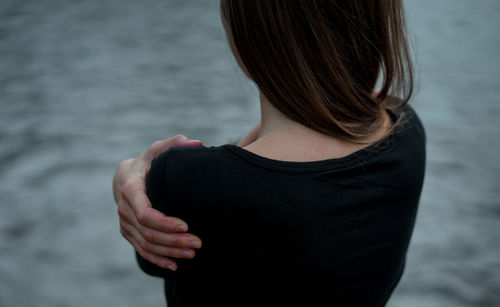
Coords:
85,84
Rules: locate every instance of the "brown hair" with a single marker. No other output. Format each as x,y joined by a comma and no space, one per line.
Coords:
318,61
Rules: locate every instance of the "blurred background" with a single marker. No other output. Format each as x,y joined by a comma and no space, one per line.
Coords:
85,84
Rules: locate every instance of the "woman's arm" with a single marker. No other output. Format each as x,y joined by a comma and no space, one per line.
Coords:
154,236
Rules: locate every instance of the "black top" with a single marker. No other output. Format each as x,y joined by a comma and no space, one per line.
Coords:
325,233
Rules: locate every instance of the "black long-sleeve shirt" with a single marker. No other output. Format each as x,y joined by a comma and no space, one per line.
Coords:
275,233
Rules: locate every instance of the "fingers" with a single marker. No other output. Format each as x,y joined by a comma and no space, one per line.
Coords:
154,236
153,252
145,233
139,202
146,215
154,219
160,250
134,190
161,261
179,240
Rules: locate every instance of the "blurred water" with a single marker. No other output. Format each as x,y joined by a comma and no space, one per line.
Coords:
85,84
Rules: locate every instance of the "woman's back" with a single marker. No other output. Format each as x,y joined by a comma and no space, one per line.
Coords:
331,232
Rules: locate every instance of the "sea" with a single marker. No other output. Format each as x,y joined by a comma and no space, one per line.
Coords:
85,84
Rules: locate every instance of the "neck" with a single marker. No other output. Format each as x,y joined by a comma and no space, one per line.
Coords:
284,139
273,122
271,119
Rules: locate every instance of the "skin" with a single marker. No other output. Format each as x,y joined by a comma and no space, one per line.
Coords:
159,238
156,237
280,138
283,139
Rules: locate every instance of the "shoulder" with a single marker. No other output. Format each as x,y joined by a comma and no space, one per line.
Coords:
194,164
184,171
191,155
408,144
409,120
408,134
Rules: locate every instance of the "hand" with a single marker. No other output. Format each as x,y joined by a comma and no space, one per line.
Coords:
155,236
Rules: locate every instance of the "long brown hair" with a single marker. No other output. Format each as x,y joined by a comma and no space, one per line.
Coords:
318,61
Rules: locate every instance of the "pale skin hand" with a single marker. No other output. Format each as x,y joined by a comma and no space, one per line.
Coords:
156,237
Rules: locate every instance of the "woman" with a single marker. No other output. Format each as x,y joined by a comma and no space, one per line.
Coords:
317,204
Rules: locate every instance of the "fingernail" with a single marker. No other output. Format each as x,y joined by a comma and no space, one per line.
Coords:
186,253
171,267
194,244
181,228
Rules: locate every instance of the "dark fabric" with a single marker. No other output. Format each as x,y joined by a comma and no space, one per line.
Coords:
326,233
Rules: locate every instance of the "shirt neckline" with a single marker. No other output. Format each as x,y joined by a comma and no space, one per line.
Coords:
333,163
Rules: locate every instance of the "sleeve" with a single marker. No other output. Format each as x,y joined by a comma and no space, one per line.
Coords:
156,187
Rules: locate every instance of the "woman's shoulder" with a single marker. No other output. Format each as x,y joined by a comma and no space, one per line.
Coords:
193,153
195,159
184,169
408,120
408,136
